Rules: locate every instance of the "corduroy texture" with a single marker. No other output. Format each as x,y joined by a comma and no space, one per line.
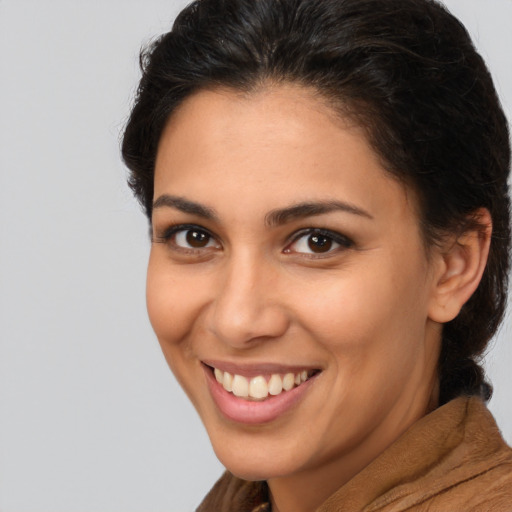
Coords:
452,460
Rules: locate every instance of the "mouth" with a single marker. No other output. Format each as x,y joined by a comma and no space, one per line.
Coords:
260,387
260,394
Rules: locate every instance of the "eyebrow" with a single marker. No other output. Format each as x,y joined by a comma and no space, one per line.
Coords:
185,206
310,209
276,217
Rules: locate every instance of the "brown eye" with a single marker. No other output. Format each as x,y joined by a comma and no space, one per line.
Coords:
194,238
315,241
319,243
197,239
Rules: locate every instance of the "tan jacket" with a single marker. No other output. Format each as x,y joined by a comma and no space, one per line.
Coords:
452,460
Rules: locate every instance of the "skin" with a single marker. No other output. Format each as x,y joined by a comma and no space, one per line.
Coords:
367,312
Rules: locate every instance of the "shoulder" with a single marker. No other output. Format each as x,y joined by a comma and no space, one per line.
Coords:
473,472
490,490
453,459
484,477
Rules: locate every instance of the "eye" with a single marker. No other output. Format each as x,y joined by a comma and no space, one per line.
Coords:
318,242
193,239
188,238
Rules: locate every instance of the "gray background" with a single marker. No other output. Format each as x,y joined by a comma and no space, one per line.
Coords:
90,417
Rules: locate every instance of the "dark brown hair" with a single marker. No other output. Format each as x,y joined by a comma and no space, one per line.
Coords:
406,70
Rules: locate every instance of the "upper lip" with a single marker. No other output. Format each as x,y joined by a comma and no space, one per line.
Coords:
255,369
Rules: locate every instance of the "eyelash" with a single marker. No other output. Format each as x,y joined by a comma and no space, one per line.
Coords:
342,241
170,233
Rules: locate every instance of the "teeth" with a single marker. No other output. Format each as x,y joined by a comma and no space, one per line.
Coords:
275,385
240,386
288,381
258,387
227,381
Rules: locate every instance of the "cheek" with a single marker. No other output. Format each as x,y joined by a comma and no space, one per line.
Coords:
368,314
173,307
172,303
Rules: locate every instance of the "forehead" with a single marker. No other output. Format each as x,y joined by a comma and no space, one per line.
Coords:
280,144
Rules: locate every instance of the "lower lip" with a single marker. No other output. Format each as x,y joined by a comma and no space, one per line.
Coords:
250,412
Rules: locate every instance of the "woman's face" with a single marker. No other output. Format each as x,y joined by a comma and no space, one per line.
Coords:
284,256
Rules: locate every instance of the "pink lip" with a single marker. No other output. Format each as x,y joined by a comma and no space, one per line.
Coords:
253,413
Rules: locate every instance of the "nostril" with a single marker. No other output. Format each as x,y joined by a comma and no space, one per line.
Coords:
244,309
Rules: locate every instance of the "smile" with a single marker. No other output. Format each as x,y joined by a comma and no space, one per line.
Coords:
256,395
261,386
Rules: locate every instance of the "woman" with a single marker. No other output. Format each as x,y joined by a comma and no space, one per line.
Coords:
326,182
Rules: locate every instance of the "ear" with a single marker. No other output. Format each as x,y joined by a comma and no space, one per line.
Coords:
460,265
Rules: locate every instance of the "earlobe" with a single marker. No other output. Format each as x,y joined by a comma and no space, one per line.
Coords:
461,264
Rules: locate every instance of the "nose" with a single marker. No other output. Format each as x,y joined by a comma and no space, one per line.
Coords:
247,307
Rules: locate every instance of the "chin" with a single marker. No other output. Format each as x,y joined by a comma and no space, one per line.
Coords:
258,462
248,470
